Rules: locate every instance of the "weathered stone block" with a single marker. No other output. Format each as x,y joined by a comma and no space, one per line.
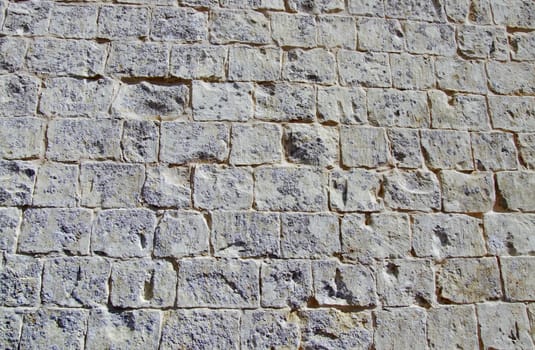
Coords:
341,105
512,330
222,101
366,8
21,280
405,146
245,234
494,151
10,219
21,137
206,282
121,22
519,282
527,149
254,64
11,326
414,10
514,113
355,190
472,193
510,234
430,38
269,329
389,107
258,143
465,281
181,233
286,283
460,75
316,6
290,188
311,144
198,61
516,190
217,187
447,149
243,26
27,18
377,34
167,187
252,4
19,95
523,46
285,102
483,42
293,30
178,23
364,146
511,77
309,236
73,21
337,31
460,112
412,190
311,66
364,69
452,326
412,71
17,181
515,13
400,328
139,141
137,59
75,282
12,52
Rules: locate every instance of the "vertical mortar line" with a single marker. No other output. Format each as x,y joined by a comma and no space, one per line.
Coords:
478,328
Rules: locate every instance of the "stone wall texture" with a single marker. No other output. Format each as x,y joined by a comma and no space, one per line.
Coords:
267,174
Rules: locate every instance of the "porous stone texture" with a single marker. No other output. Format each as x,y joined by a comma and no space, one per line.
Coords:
267,174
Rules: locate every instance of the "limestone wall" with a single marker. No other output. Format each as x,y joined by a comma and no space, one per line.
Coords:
267,174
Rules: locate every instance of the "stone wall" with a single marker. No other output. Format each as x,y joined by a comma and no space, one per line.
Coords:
267,174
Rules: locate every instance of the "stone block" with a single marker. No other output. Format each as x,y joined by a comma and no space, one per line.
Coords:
516,190
430,38
10,219
137,59
198,61
337,31
511,77
21,280
310,66
355,190
27,18
406,148
389,107
254,144
254,64
364,146
513,113
286,283
341,105
412,71
471,193
311,144
181,233
17,181
12,52
447,149
182,24
122,22
73,21
285,102
244,26
412,190
483,42
377,34
460,75
139,141
167,187
365,69
19,95
293,29
400,328
22,138
452,326
269,329
512,330
510,234
494,151
222,101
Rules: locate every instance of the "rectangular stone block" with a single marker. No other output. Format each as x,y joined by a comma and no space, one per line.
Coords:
406,148
222,101
17,181
415,72
483,42
111,185
472,193
412,190
460,111
527,149
121,22
143,283
406,109
376,236
355,190
337,31
516,190
10,219
400,328
494,151
71,97
57,57
511,331
198,61
364,146
137,59
254,64
21,280
519,282
515,13
366,8
27,18
341,105
221,187
430,38
309,236
83,138
245,234
22,137
419,10
461,75
182,233
19,95
451,325
139,141
12,52
447,235
244,26
364,69
56,230
343,284
178,23
167,187
316,6
269,329
377,34
182,142
75,282
311,66
56,185
523,46
464,281
11,323
286,283
254,144
73,21
225,283
447,149
513,113
284,102
123,233
511,77
296,30
290,189
311,144
510,234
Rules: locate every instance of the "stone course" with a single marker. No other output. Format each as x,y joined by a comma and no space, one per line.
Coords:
267,174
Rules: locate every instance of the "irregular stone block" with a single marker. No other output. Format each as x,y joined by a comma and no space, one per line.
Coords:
139,141
198,61
66,57
466,281
253,144
27,18
178,23
333,329
366,8
460,75
12,52
309,236
523,46
337,31
72,97
510,234
477,11
430,38
181,233
414,10
56,185
516,190
217,187
286,283
483,42
447,235
243,26
21,137
121,22
389,107
151,101
222,101
167,187
400,328
512,330
11,325
472,193
75,282
285,102
494,151
288,189
341,105
383,235
447,149
511,77
405,146
21,280
412,72
19,95
269,329
452,326
514,113
78,139
10,219
54,329
377,34
312,145
254,64
412,190
364,146
206,282
293,30
74,21
527,149
343,284
188,328
364,69
519,282
355,190
311,66
316,6
245,234
137,59
126,329
17,181
515,13
460,112
111,185
143,283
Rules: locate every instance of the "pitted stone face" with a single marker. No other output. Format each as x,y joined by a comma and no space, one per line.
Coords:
267,174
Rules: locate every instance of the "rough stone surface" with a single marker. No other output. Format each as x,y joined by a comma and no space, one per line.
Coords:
400,328
355,190
167,187
269,330
412,190
472,193
181,233
509,185
510,234
286,283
